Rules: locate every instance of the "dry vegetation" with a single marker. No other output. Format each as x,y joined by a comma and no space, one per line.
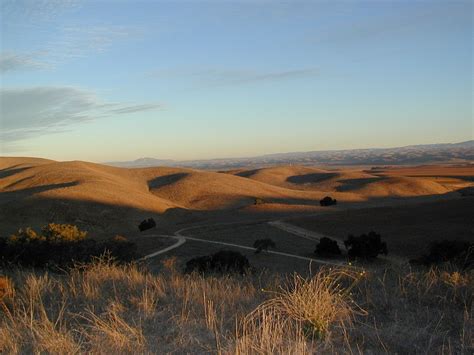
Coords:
159,189
108,200
103,307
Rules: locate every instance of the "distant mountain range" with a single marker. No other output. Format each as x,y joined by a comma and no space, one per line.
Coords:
414,154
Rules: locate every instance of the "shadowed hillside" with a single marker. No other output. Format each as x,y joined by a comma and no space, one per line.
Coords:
39,190
386,182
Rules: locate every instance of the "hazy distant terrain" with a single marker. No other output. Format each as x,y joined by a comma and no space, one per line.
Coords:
414,154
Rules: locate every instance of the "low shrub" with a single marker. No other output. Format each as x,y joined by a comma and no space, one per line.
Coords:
147,224
460,253
263,244
200,264
328,201
224,261
367,246
60,245
327,247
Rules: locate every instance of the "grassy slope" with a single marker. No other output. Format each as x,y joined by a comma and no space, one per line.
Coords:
125,309
407,229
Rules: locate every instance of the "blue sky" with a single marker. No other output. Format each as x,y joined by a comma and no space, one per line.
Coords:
118,80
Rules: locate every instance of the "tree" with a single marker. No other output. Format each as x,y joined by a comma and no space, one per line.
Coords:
263,244
366,246
147,224
328,201
327,247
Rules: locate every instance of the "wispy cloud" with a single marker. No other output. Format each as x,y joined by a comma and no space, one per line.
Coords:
31,112
71,42
14,61
228,77
136,108
58,42
392,22
77,41
30,12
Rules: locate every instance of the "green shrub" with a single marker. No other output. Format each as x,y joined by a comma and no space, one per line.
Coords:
60,245
61,233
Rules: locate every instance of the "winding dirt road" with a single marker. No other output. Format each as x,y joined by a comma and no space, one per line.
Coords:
181,239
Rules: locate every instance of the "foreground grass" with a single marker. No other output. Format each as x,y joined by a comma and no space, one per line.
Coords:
106,308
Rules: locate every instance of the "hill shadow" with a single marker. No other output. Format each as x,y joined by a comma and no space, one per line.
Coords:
11,171
166,180
311,178
8,196
354,184
248,173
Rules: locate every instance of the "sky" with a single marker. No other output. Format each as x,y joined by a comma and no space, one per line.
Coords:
118,80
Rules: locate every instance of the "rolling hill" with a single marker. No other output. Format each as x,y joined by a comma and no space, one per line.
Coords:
34,191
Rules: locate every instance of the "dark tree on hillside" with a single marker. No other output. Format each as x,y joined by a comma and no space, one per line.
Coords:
366,246
147,224
328,201
327,248
263,244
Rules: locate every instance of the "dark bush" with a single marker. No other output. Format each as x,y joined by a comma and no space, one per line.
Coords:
328,201
119,247
366,246
224,261
460,253
200,264
60,245
327,247
147,224
263,244
230,261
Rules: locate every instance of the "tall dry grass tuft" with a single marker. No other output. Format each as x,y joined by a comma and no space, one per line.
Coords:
7,293
32,322
267,331
303,310
110,332
147,301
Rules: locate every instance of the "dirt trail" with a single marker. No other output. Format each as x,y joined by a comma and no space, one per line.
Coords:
287,227
181,239
311,235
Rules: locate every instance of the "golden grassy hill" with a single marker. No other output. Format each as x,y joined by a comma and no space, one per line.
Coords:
35,191
407,182
79,181
38,190
152,189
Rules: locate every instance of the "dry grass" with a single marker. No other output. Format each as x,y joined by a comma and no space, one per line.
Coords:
104,307
301,313
158,189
